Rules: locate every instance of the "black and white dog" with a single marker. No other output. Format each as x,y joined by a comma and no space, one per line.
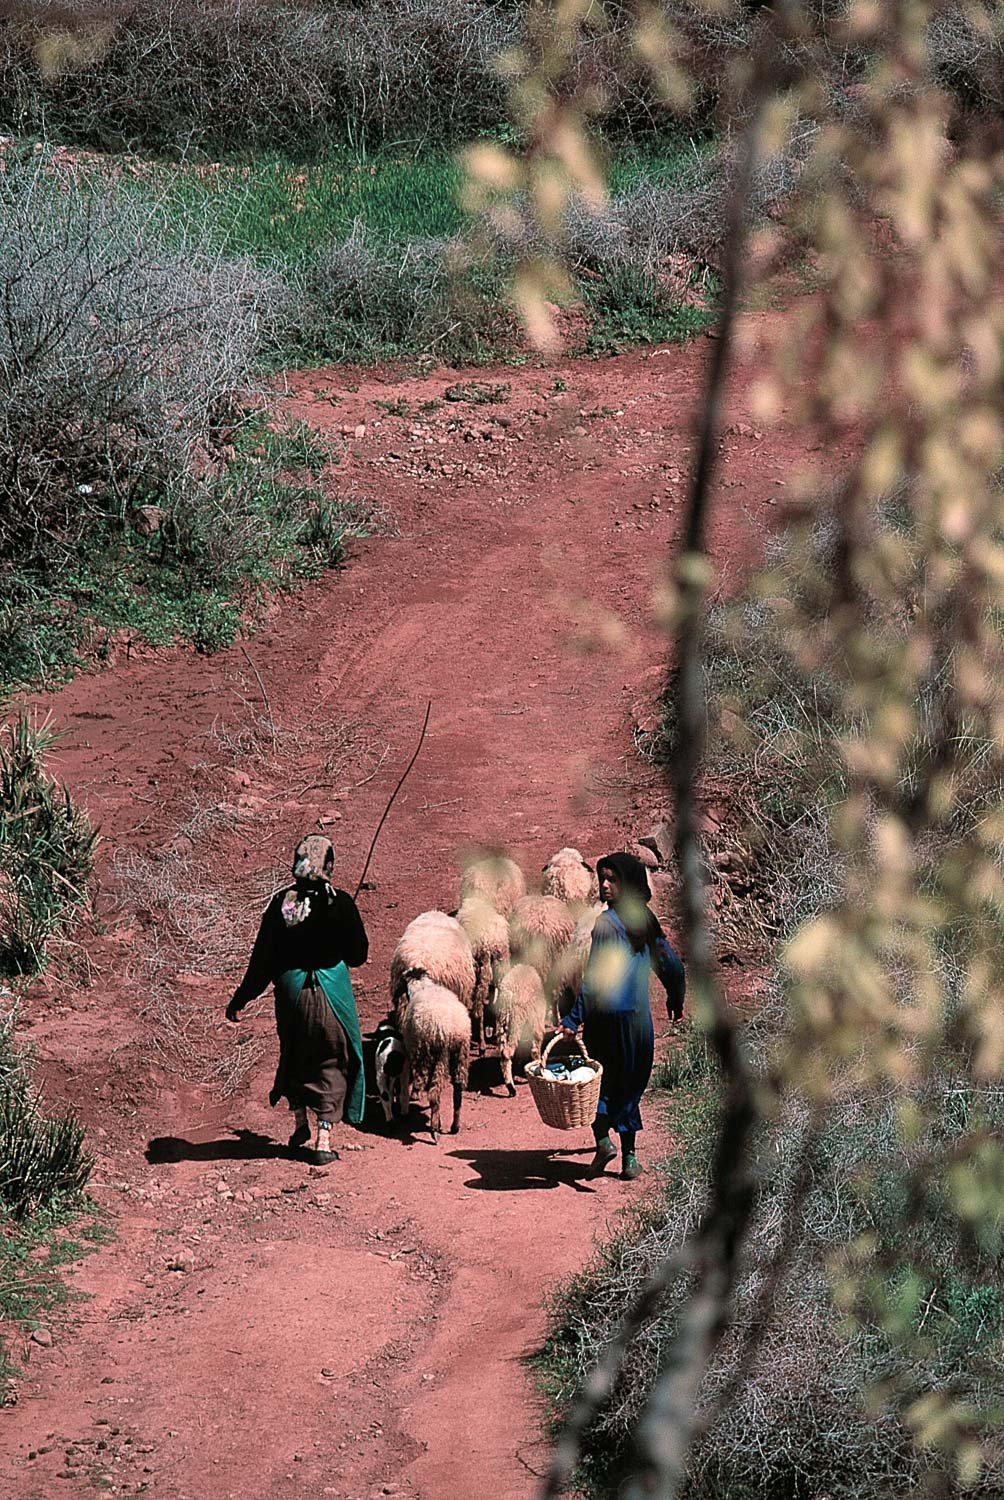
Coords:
389,1060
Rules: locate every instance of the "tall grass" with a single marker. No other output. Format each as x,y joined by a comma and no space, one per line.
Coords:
43,1172
46,850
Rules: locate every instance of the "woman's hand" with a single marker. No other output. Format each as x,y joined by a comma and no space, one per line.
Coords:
564,1030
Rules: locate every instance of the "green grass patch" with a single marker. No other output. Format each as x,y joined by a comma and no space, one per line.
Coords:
281,213
34,1255
629,307
220,548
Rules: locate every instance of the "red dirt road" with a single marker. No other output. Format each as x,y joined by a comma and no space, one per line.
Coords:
259,1329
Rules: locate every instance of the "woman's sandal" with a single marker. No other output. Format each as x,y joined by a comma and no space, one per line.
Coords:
322,1154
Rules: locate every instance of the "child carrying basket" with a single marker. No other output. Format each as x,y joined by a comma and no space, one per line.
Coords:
613,1010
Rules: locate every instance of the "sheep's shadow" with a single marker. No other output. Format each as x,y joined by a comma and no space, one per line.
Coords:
240,1145
484,1074
522,1171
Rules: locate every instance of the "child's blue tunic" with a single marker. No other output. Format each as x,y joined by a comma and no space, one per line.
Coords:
616,1018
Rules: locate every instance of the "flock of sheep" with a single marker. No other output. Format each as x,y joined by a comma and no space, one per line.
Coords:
515,955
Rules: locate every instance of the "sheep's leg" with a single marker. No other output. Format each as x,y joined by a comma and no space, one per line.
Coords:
440,1074
458,1072
478,1003
507,1068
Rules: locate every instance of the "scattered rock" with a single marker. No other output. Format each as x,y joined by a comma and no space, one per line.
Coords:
660,840
42,1336
646,856
147,519
182,1260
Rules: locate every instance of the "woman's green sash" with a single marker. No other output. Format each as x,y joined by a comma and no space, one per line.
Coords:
337,987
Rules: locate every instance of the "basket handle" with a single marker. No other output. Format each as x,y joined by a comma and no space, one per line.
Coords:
557,1038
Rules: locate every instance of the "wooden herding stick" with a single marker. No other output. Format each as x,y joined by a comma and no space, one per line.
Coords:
393,796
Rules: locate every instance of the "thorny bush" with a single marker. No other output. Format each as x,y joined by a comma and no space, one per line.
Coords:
121,360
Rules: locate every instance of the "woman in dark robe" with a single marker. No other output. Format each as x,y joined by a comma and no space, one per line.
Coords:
309,936
613,1009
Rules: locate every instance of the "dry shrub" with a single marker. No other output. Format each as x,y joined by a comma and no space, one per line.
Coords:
198,931
296,74
240,73
121,359
364,298
792,1419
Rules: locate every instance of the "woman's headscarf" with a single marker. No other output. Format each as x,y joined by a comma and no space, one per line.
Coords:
313,862
632,904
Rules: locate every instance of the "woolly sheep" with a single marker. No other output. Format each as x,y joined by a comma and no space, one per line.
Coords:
436,1031
539,928
565,978
488,931
567,876
495,878
520,1016
437,944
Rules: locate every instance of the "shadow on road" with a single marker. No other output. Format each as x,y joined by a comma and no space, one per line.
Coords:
241,1145
516,1171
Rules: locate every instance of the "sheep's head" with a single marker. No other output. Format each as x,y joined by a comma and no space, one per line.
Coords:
568,856
569,877
314,859
402,990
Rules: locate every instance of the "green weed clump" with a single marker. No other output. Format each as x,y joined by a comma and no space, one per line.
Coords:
46,850
42,1158
44,1217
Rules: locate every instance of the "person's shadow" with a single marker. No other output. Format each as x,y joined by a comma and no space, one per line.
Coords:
240,1145
520,1171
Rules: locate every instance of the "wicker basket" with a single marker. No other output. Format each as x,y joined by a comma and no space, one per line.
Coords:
563,1105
